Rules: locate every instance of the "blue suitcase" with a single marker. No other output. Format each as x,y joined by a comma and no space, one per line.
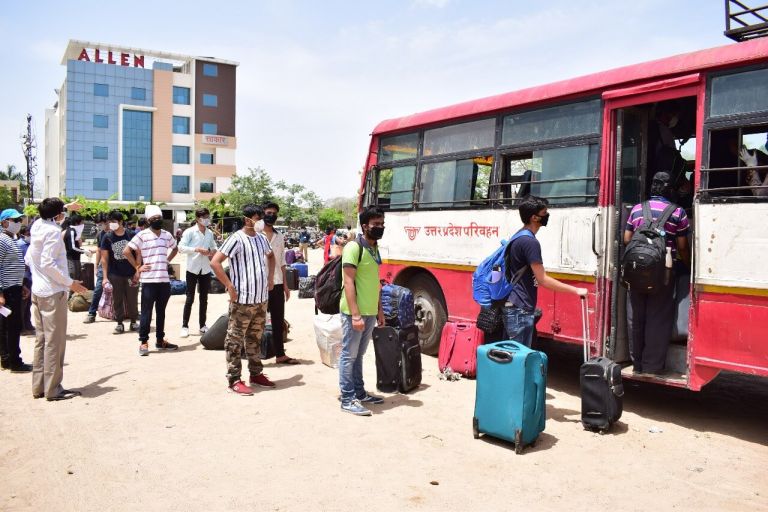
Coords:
303,269
510,393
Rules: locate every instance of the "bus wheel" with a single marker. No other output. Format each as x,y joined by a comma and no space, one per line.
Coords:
430,312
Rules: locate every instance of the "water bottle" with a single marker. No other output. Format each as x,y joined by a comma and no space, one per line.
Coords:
668,265
496,274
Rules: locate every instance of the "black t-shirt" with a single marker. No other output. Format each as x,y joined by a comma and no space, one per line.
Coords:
70,243
524,251
115,244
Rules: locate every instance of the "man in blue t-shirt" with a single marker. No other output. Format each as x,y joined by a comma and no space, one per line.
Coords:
524,255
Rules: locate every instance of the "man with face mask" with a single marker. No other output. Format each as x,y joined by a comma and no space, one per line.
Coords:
12,293
155,248
101,230
280,294
119,273
198,244
47,260
250,279
360,310
524,255
73,242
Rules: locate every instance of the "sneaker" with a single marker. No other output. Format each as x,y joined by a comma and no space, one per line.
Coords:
184,332
119,328
371,399
143,349
164,345
261,380
134,326
356,408
239,388
89,319
203,330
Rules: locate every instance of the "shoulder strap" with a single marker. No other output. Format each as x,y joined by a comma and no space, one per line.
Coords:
665,215
507,255
647,215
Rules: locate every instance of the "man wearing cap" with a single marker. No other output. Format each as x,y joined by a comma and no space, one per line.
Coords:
12,293
153,246
653,314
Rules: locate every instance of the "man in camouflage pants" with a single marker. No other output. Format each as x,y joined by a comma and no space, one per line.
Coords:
251,273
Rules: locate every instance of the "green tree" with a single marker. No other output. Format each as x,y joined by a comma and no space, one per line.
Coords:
6,198
330,217
347,206
290,201
256,187
31,211
11,174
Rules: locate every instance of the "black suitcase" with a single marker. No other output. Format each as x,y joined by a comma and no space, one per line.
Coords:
267,343
601,387
398,358
87,276
292,278
214,338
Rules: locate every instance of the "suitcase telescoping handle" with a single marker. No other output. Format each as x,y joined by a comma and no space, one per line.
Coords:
585,327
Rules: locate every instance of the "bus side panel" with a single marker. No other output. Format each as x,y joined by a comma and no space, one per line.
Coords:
729,332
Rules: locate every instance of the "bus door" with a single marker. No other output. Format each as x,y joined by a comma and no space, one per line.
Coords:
652,127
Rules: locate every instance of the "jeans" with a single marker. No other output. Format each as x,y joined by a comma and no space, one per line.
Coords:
276,301
10,328
519,325
153,295
353,346
97,291
203,282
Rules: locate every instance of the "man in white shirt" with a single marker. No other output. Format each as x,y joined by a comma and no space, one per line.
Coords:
280,294
198,244
47,260
153,244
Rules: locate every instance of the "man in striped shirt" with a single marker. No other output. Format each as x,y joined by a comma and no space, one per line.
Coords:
652,316
251,277
12,293
153,245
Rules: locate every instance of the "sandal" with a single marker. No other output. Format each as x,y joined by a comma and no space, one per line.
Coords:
287,360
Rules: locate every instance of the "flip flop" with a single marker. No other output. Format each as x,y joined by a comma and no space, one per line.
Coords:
289,360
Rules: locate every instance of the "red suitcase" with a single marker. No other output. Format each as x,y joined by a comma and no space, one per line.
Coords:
458,347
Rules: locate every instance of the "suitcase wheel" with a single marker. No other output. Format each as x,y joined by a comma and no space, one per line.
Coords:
518,442
475,429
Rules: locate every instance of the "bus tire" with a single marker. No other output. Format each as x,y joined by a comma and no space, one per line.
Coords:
431,312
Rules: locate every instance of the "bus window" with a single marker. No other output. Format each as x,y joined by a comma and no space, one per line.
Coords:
456,183
395,187
460,137
574,120
738,163
567,174
398,147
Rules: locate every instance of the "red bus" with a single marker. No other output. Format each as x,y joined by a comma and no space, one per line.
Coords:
449,180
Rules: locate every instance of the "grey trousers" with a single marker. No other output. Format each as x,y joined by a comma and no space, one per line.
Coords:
651,318
50,316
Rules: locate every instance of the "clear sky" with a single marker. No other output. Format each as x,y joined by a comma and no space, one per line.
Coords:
315,77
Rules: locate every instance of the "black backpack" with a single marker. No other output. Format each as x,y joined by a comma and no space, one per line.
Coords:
328,285
643,266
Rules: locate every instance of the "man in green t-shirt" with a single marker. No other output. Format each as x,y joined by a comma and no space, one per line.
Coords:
360,310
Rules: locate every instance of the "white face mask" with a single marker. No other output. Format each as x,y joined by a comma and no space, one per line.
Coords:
13,227
113,226
205,222
79,230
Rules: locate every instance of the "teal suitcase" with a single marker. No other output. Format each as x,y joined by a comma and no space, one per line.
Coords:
510,393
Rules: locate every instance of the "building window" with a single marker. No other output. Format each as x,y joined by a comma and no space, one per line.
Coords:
206,158
100,121
138,93
181,125
100,184
206,187
210,128
180,184
210,100
181,155
210,69
137,155
100,152
100,90
181,95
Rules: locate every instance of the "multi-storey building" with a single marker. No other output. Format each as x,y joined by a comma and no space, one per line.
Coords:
139,125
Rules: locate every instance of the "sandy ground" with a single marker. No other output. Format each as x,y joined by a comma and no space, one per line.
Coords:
161,433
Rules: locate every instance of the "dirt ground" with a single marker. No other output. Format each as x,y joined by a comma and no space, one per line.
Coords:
161,433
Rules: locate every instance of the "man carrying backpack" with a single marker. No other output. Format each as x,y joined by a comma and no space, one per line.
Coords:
525,269
651,291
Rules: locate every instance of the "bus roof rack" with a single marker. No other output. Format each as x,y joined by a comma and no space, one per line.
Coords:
743,23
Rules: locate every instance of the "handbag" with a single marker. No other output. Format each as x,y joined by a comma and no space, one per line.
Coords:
490,318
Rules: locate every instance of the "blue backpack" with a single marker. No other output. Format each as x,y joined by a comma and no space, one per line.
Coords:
484,289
